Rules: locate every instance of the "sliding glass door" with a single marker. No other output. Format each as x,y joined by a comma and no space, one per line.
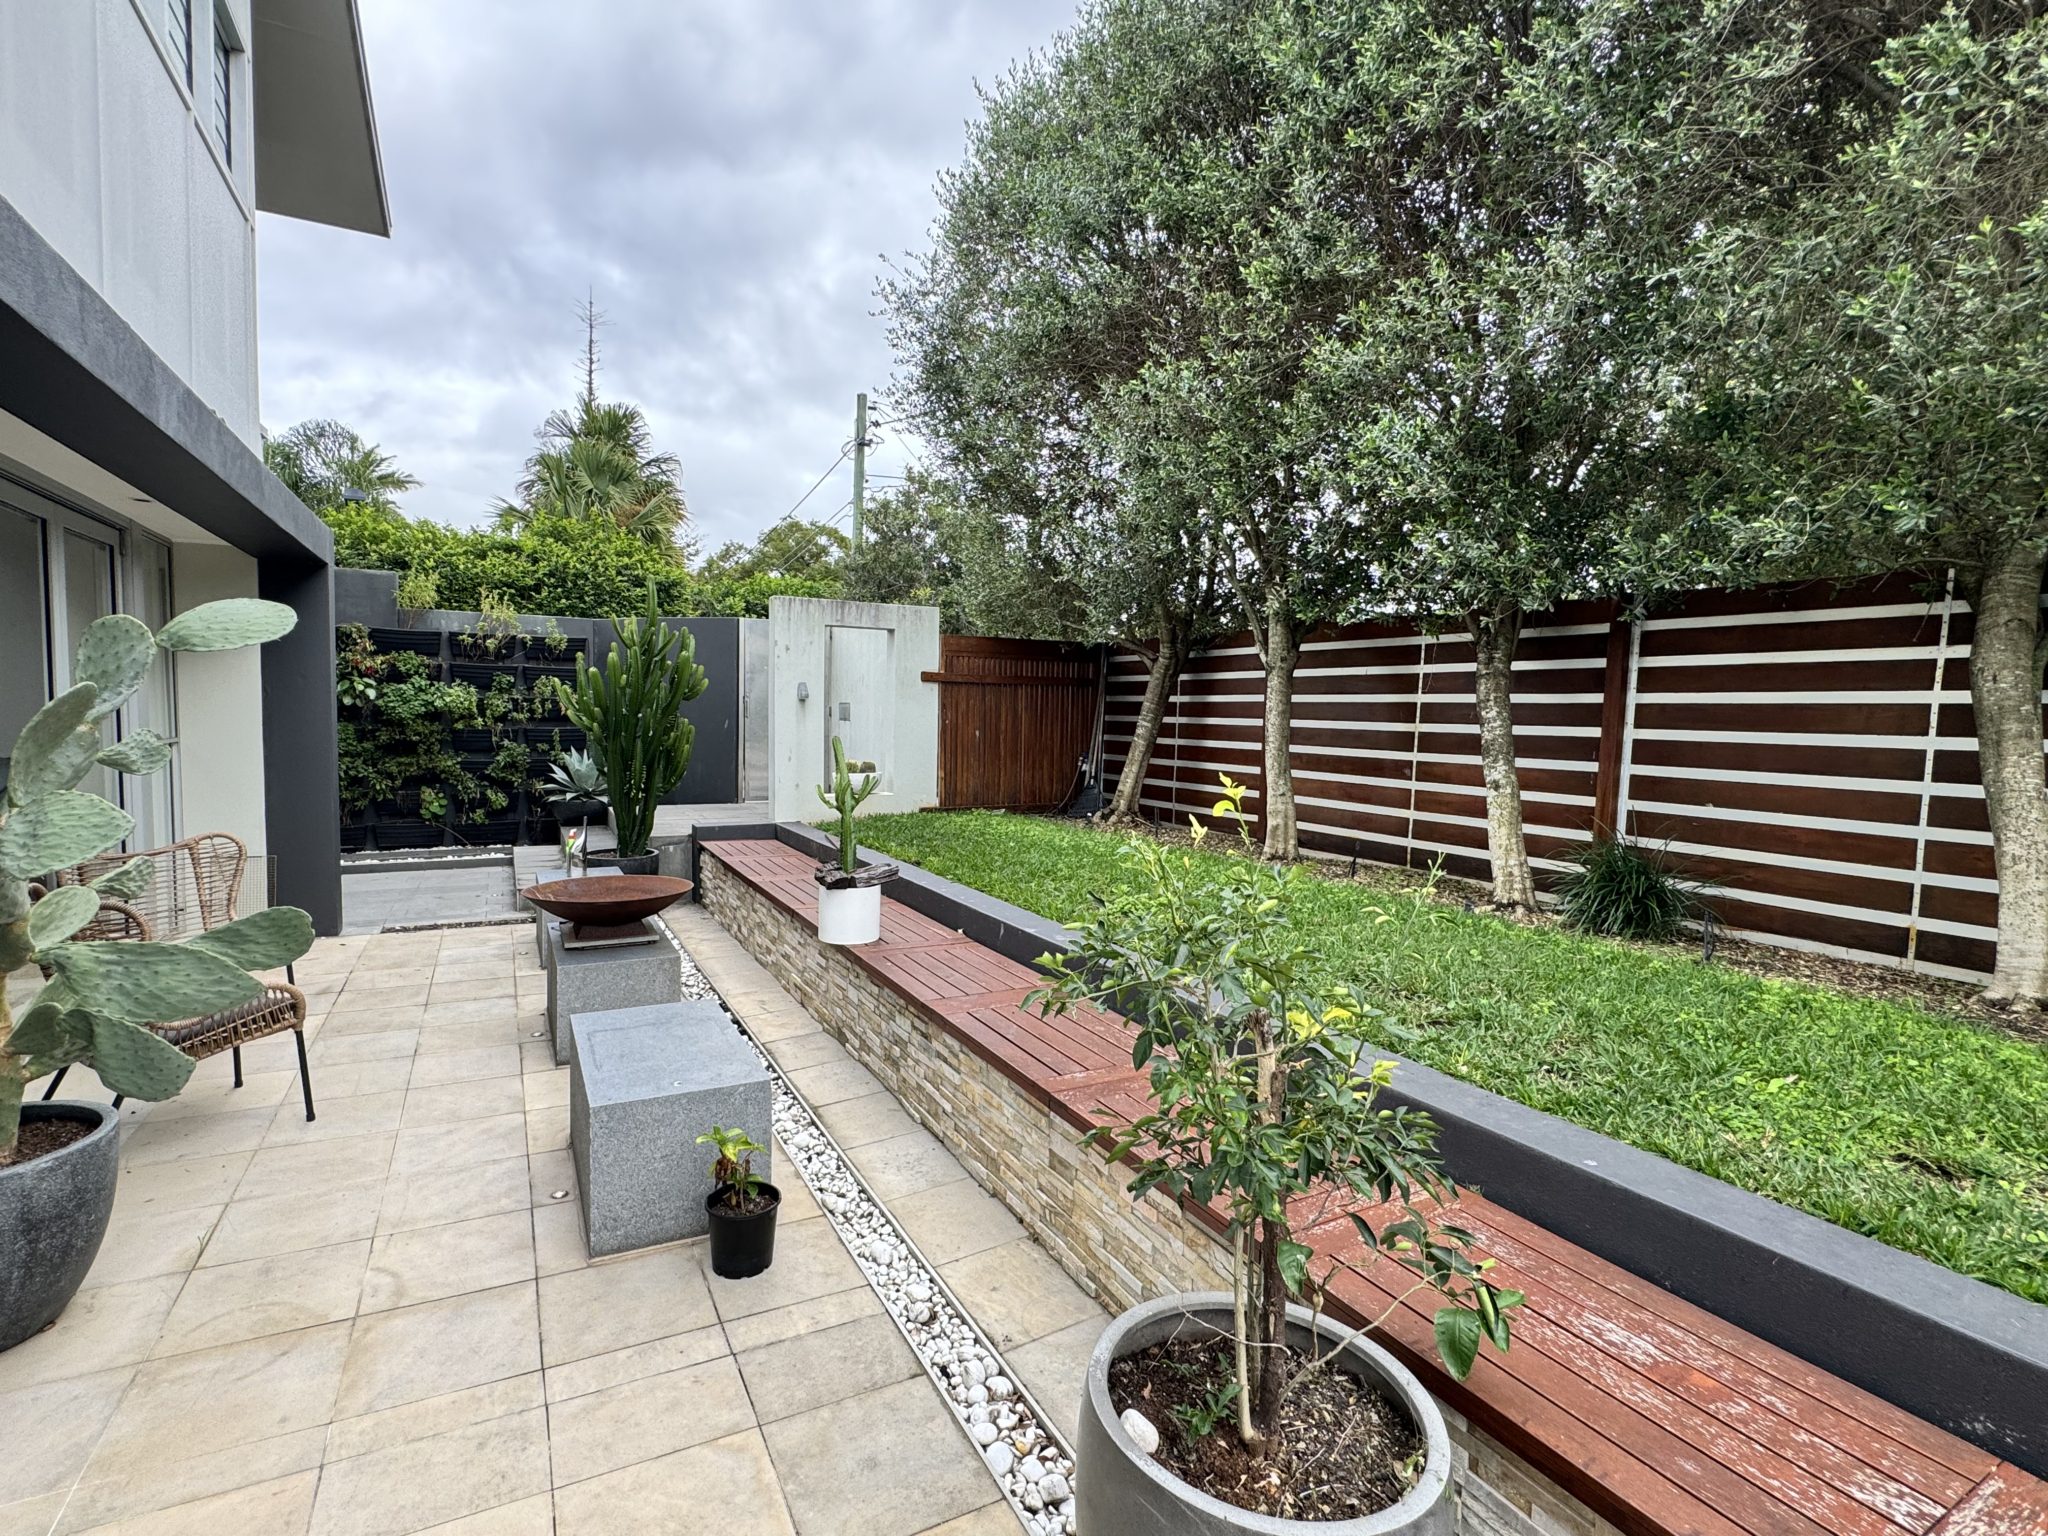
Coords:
60,570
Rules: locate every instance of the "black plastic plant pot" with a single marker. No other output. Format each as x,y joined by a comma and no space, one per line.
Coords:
633,864
741,1245
573,813
53,1213
421,642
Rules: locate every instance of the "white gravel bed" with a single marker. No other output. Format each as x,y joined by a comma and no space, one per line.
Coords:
1030,1462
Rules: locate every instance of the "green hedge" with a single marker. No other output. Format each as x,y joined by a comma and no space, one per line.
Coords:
574,569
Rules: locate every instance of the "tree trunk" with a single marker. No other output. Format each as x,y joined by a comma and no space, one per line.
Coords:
1494,636
1167,662
1281,653
2005,690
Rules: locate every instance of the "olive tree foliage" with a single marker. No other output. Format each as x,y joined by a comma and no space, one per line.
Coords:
1046,289
1495,397
987,574
1877,357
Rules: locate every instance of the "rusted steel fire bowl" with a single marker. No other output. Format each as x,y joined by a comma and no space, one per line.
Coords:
606,901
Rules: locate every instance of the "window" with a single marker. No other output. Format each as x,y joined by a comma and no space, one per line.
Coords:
178,32
223,88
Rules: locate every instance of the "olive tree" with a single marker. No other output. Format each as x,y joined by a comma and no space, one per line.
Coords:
1045,290
1875,343
1496,392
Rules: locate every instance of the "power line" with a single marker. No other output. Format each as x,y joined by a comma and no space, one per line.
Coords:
807,495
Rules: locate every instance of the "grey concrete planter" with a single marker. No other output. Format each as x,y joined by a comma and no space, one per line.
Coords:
1122,1490
53,1213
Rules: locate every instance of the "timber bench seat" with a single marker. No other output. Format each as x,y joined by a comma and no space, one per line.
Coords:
1658,1415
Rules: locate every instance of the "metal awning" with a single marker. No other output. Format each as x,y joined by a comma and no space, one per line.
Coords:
316,132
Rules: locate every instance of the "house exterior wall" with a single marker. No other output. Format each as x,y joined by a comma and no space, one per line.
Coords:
114,161
220,715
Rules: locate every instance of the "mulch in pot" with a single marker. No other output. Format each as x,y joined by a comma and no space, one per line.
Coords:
1347,1449
39,1138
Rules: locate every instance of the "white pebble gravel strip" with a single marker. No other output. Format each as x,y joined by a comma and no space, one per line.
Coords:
1031,1463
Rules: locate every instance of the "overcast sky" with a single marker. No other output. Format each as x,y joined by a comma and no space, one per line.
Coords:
727,177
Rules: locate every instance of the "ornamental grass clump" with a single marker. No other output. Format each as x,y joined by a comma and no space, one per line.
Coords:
1625,891
1264,1091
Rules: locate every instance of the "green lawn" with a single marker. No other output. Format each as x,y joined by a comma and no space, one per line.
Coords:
1929,1133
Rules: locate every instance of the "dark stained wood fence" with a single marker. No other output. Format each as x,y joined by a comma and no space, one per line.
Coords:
1808,750
1015,719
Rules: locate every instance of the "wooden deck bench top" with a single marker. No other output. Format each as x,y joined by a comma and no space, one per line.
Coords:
1660,1416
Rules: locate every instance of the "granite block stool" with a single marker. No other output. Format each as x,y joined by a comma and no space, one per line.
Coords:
644,1084
599,980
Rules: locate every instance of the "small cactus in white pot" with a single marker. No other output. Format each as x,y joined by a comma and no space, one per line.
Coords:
101,995
849,892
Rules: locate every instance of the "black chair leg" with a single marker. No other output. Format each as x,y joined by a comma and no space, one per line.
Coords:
305,1072
55,1082
236,1052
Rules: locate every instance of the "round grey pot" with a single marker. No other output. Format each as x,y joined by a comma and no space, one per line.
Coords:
626,864
1121,1490
53,1213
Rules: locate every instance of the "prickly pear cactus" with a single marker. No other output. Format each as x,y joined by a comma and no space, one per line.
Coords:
102,994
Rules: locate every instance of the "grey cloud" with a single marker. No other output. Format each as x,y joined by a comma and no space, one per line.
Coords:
728,178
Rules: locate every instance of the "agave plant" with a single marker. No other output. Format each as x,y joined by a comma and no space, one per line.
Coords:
576,777
102,995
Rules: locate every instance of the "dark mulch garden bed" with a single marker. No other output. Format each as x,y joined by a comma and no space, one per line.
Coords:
1347,1450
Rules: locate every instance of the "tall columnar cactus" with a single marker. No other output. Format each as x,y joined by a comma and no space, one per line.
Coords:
632,709
100,995
846,797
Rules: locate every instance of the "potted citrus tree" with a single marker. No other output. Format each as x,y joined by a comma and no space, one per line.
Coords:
631,708
849,892
741,1205
58,1160
1253,1410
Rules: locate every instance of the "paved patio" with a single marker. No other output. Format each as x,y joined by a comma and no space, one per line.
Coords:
385,1321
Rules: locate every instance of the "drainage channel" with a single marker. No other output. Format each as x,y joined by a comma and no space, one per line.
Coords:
1031,1462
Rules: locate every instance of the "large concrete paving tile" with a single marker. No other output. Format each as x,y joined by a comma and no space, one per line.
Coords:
1018,1293
723,1488
891,1462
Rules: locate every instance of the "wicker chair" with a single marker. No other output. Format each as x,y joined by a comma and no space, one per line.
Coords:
193,888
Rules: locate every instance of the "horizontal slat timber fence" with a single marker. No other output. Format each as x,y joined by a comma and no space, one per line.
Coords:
1016,717
1808,751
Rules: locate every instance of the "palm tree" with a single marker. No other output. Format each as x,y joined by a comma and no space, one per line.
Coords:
597,461
328,464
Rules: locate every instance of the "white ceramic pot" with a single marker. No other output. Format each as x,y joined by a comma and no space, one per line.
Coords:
852,915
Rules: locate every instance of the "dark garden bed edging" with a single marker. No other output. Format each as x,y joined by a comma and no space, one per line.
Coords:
1959,1353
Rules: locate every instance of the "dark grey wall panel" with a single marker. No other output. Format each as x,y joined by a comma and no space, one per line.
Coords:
301,785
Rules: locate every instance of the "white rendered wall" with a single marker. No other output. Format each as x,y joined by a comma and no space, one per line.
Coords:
220,714
896,644
112,159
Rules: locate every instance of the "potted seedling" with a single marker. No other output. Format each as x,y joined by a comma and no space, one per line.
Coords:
577,791
631,707
58,1160
849,893
742,1206
1253,1409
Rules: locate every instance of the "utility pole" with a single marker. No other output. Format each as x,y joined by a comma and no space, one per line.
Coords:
860,460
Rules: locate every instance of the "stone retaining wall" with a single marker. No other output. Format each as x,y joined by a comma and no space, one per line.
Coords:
1120,1250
